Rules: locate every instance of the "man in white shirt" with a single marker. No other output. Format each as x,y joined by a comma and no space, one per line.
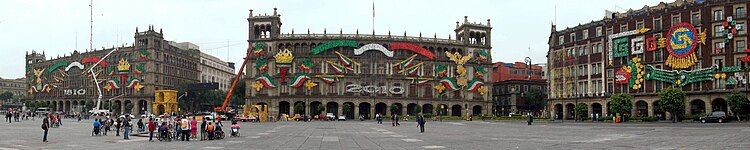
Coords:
185,125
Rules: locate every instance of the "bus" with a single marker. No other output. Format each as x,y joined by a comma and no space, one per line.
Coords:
42,110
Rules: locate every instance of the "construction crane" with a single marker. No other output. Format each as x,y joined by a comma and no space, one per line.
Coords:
223,107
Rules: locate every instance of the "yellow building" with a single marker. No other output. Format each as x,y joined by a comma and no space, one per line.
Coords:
165,101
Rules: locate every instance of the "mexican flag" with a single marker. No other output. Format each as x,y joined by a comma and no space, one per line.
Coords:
406,63
111,71
299,80
139,69
266,80
328,79
345,60
143,53
133,82
422,81
450,84
114,83
474,85
257,48
338,68
412,70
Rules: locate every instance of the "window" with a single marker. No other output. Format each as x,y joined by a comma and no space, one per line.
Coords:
719,47
675,20
718,30
601,49
639,25
718,15
740,46
740,12
561,40
657,23
609,31
573,37
598,31
623,27
741,26
658,55
585,34
695,18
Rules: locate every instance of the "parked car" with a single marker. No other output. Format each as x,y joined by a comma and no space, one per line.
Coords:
342,118
718,116
297,117
330,116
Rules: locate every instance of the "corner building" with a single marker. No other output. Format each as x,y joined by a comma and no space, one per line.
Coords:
368,73
698,46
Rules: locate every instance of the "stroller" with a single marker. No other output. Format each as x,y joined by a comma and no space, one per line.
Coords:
235,130
164,134
218,134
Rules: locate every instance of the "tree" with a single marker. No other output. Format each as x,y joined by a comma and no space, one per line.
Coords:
116,107
536,99
621,103
417,110
129,107
321,109
581,110
394,108
736,101
7,95
299,108
30,104
238,95
672,100
347,108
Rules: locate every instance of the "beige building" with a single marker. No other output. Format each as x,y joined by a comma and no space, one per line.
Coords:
215,70
15,86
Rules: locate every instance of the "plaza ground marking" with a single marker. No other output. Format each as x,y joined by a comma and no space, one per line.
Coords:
253,137
330,139
396,135
412,140
211,147
133,140
4,148
263,133
432,147
389,133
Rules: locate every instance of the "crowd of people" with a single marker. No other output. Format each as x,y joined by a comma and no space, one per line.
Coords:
166,129
16,116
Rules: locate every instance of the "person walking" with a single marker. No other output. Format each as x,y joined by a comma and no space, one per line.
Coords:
118,124
140,125
127,127
45,127
530,117
185,126
203,130
379,118
151,128
420,122
194,128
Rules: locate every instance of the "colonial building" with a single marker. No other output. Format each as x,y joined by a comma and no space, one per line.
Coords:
129,75
214,70
511,96
516,71
366,73
15,86
698,46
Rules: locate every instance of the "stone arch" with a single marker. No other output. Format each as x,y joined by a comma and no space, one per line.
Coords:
364,109
124,107
142,106
719,104
658,112
697,106
381,108
160,109
427,109
410,109
476,110
314,107
350,113
66,106
641,108
332,107
284,108
444,109
456,110
569,111
559,111
596,108
75,105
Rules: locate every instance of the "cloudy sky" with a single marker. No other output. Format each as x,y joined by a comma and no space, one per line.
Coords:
219,27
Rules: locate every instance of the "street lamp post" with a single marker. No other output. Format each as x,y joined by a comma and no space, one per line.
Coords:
441,106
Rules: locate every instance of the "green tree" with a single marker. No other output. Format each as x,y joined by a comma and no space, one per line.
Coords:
536,99
321,109
736,101
672,100
581,110
129,107
6,95
30,104
417,110
621,103
116,107
394,108
299,108
347,108
238,94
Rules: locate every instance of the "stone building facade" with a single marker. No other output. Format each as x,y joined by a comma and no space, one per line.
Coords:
368,73
129,75
698,46
15,86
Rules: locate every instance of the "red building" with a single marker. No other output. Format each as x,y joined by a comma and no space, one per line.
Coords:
515,71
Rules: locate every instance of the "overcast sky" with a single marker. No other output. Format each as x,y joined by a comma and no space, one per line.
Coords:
219,27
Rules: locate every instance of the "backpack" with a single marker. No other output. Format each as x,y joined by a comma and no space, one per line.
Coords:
183,125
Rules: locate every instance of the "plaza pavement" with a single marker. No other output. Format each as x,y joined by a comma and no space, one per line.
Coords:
439,135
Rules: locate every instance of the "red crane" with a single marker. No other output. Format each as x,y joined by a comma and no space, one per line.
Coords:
234,83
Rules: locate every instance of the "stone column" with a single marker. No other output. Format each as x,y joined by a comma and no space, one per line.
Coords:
708,107
687,108
565,112
590,110
355,111
650,109
341,110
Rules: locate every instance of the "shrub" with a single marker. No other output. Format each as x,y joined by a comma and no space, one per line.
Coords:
608,118
694,117
643,119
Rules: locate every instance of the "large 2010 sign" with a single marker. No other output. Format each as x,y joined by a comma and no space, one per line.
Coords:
356,88
75,91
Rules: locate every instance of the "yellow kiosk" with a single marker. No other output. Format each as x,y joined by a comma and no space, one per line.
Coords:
165,101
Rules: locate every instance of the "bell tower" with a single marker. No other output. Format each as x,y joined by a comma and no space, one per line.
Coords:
149,39
264,26
474,33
